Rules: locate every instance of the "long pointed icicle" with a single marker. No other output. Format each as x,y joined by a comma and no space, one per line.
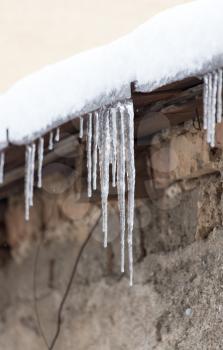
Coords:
212,103
57,136
32,172
114,144
2,166
81,132
50,147
27,181
205,101
209,107
213,108
121,181
130,165
89,159
40,161
95,150
105,174
219,97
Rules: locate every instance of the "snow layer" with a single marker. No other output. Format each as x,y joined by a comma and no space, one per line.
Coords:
180,42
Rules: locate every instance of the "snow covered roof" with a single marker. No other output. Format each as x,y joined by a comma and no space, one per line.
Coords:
181,42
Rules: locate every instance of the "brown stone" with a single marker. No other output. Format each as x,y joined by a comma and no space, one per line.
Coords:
184,156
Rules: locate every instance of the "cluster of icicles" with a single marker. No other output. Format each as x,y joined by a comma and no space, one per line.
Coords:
110,141
212,97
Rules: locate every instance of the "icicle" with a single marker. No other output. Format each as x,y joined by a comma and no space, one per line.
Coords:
212,102
209,108
2,165
89,160
95,150
130,165
57,136
81,132
121,181
114,144
213,108
32,171
205,101
50,147
27,181
219,97
40,161
104,152
105,180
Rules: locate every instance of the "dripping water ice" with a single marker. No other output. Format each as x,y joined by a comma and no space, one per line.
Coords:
50,147
212,103
57,136
113,144
32,171
81,127
2,166
130,164
104,152
95,150
27,181
89,161
219,97
110,139
121,181
40,161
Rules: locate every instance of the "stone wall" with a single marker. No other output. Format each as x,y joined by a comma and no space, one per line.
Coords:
176,301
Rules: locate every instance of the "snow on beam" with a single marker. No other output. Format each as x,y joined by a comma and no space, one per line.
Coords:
167,48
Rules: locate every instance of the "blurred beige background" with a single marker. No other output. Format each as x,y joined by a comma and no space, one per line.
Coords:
34,33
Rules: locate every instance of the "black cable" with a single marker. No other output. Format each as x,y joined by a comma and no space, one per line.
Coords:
60,310
35,297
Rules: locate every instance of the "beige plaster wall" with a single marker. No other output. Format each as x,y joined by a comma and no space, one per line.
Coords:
34,33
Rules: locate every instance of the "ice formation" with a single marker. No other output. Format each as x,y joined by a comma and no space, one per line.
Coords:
40,161
113,143
81,127
95,150
121,180
130,165
28,174
212,103
2,165
32,173
110,147
89,160
50,147
57,136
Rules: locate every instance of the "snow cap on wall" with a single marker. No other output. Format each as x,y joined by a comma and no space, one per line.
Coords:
178,43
